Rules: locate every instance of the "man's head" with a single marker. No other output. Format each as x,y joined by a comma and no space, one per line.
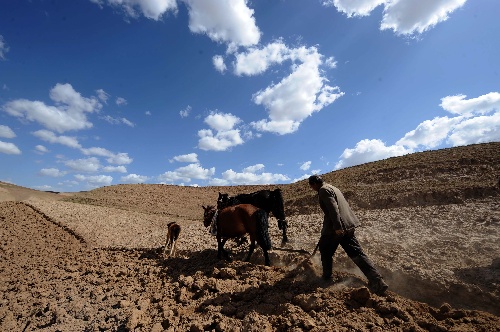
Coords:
315,182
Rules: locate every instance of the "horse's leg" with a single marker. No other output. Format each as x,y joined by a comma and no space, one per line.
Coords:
250,251
221,250
172,249
284,225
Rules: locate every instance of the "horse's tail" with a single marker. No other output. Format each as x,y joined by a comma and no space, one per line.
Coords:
263,237
279,206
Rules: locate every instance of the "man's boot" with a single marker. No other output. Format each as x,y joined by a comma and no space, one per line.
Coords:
377,286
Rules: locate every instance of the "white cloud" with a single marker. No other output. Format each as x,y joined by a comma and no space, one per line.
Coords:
226,21
152,9
121,101
102,95
112,120
6,132
88,165
113,158
9,148
219,64
478,121
95,181
147,113
254,168
481,105
119,159
50,137
41,149
186,158
248,177
52,172
404,17
185,112
3,48
225,136
256,61
69,112
305,166
134,178
222,121
355,7
480,129
429,133
409,16
186,173
369,150
297,96
115,169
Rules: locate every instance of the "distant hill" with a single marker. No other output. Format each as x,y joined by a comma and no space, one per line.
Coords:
444,176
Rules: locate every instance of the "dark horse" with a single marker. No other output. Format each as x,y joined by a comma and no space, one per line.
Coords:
236,221
268,200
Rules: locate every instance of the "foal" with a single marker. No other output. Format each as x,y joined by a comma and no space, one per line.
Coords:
172,235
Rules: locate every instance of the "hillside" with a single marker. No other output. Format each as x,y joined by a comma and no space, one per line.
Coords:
427,178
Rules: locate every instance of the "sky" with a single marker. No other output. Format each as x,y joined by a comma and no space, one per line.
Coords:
232,92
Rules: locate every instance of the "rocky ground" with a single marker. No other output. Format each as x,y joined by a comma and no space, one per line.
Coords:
94,262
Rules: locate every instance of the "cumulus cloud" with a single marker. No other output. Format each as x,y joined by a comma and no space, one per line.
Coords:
255,60
115,169
477,121
404,17
225,136
6,132
297,96
102,95
95,181
9,148
481,105
305,166
88,165
249,175
41,149
355,7
116,121
219,64
3,48
186,158
50,137
121,101
369,150
185,112
226,21
187,173
134,178
51,172
152,9
69,112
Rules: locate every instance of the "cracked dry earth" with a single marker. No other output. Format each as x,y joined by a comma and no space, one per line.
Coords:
73,267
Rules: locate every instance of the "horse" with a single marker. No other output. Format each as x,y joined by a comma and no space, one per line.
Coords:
173,231
236,221
268,200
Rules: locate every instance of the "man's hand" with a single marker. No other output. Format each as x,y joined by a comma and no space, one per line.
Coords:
339,232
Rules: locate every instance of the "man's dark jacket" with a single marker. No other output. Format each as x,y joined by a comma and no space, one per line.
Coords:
338,214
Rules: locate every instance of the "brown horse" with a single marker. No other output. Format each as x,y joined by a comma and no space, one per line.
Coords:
236,221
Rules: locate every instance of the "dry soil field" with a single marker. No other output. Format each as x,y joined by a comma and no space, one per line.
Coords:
93,261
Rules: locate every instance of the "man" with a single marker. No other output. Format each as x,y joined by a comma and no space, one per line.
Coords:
339,224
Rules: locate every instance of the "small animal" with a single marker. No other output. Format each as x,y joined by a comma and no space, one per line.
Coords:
172,235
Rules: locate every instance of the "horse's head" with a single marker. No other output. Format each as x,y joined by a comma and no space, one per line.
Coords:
222,201
208,215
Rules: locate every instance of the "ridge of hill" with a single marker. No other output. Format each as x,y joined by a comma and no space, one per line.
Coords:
436,177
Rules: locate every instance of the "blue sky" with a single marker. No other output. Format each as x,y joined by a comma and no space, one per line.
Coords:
230,92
